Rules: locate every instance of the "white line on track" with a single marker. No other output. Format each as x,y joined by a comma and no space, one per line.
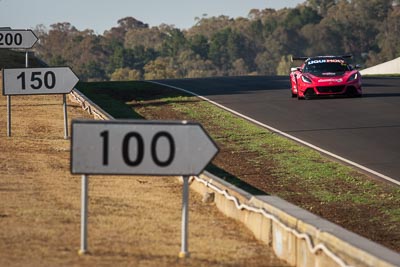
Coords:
361,167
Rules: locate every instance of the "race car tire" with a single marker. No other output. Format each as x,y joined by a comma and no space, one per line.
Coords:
308,94
352,92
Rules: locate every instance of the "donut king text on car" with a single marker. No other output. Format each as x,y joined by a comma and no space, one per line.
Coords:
318,61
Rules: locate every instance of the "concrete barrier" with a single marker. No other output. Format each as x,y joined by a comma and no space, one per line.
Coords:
296,235
387,68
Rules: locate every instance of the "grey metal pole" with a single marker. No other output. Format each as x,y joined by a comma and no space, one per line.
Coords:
185,218
9,116
65,117
26,59
84,214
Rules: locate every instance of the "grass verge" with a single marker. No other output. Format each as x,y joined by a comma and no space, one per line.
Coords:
251,155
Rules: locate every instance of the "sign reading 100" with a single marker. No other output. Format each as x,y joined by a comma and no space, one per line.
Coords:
140,147
138,158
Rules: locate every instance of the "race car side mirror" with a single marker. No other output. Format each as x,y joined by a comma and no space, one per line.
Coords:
294,69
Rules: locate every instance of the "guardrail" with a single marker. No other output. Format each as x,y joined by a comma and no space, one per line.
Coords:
296,235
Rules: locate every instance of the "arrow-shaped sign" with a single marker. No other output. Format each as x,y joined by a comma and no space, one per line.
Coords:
140,147
23,39
38,81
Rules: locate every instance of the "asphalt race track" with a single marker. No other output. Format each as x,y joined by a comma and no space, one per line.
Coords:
363,130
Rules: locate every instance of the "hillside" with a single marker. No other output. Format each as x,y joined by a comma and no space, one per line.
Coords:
260,44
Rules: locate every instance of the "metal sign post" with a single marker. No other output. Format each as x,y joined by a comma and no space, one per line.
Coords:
9,116
185,219
84,215
22,39
33,81
9,99
138,147
65,117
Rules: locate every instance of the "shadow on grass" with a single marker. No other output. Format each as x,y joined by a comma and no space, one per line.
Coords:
132,91
104,98
230,178
120,98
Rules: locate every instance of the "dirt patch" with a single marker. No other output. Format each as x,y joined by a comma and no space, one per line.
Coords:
133,221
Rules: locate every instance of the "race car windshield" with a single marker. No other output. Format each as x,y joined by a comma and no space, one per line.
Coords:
326,68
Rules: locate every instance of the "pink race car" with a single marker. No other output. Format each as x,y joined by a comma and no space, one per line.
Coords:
325,76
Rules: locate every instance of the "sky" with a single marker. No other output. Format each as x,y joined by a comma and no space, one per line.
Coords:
101,15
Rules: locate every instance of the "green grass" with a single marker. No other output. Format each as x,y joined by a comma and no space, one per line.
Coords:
326,181
293,163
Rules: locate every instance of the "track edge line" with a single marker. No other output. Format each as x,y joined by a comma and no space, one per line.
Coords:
272,129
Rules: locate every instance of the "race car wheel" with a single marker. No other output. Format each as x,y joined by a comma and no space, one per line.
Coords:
352,92
308,94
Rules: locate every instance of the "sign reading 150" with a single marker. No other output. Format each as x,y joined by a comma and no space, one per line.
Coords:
57,80
38,79
140,151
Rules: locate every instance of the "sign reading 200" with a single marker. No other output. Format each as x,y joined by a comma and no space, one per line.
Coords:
10,39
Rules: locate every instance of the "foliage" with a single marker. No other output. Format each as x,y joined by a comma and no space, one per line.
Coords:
126,74
259,44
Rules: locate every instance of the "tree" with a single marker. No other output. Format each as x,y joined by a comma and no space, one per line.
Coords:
161,68
150,38
124,25
284,65
208,26
239,68
199,45
93,71
174,42
222,45
321,6
388,39
126,74
266,65
226,46
191,65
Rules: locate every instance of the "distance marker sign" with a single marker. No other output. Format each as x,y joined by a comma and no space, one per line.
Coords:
140,147
22,39
38,81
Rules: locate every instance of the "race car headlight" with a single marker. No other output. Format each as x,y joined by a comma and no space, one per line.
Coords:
306,79
353,77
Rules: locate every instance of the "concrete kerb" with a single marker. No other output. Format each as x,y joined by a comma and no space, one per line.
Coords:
300,237
296,235
89,106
